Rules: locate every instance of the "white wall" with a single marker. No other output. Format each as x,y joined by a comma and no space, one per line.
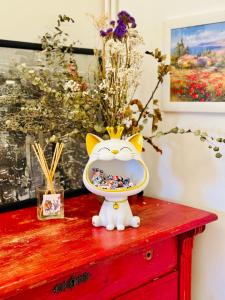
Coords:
186,172
27,20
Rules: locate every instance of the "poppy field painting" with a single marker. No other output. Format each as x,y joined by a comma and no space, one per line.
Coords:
197,55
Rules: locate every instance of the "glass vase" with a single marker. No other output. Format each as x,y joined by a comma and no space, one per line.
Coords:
50,202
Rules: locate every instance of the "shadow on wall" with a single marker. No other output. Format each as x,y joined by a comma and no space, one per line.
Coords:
163,183
187,172
201,175
208,272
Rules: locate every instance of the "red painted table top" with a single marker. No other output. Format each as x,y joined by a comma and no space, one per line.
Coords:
32,251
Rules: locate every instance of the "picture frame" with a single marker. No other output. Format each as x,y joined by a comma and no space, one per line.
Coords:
197,79
16,189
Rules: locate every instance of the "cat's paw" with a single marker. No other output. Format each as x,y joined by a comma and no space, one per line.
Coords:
110,227
120,227
135,222
96,221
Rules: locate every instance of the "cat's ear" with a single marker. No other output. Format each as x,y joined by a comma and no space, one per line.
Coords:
137,141
91,141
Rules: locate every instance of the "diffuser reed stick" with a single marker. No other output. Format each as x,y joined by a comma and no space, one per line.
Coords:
48,172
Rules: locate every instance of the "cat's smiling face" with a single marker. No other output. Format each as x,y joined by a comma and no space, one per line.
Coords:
128,149
115,149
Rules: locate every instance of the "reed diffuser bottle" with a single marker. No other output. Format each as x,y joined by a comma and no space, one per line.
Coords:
50,197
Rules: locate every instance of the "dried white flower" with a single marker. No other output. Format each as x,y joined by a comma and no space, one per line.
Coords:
72,86
127,122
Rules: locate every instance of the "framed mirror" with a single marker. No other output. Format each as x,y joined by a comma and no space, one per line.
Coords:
19,171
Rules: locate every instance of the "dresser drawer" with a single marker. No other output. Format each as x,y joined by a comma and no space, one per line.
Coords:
111,277
165,288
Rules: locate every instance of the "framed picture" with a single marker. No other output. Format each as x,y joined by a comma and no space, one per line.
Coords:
19,170
195,47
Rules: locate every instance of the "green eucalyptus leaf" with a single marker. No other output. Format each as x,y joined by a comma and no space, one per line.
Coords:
204,134
174,130
197,132
159,133
219,140
98,128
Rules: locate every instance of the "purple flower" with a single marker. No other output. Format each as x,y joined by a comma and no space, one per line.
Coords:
123,13
126,19
109,30
103,33
121,23
120,30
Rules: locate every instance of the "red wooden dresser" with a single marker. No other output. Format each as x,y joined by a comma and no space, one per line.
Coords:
70,259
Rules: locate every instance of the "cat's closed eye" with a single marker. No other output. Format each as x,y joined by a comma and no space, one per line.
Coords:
104,148
125,148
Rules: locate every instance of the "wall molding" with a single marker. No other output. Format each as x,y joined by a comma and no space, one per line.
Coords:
111,8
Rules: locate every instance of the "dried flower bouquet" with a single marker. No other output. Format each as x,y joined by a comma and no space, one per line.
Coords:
65,105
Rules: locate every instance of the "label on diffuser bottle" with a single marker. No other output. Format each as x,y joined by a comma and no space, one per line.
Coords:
51,204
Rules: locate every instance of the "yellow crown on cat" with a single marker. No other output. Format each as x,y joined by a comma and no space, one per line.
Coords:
115,132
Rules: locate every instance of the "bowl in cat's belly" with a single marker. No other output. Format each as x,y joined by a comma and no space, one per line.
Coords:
135,170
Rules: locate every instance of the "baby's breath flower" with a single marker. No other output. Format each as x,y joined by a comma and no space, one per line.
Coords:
127,123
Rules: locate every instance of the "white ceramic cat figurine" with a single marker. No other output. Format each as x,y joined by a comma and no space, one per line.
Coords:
119,218
116,157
